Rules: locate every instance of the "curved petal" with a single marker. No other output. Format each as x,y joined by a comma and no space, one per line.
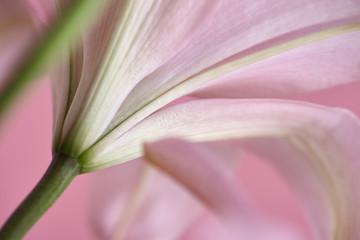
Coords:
329,197
203,120
215,38
225,44
139,202
79,65
314,66
203,174
326,140
138,43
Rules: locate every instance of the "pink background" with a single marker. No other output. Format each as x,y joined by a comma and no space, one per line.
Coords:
25,141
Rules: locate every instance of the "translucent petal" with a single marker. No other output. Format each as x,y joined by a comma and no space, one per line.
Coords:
314,66
139,202
206,176
151,61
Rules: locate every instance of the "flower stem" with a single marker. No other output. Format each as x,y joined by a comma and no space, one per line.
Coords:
58,176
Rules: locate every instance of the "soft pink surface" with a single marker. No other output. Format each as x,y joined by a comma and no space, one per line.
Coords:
25,142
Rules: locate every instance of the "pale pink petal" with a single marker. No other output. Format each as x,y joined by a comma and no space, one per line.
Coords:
130,42
173,47
203,120
248,33
323,141
210,227
43,11
140,203
107,202
205,175
326,181
307,68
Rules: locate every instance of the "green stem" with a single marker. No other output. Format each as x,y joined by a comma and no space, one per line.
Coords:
58,176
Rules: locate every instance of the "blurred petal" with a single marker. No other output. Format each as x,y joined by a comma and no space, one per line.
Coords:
210,227
140,203
63,33
326,184
203,173
17,33
314,66
215,38
43,10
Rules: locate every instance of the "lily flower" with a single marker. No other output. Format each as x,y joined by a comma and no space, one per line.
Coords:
143,55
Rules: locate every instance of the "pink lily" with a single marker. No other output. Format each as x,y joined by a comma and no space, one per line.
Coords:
142,55
107,114
109,91
296,70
